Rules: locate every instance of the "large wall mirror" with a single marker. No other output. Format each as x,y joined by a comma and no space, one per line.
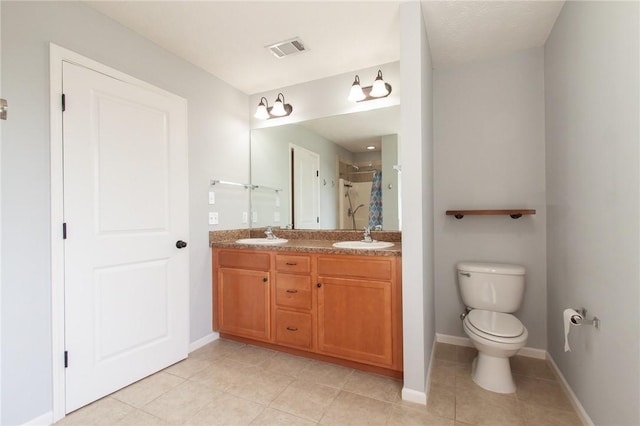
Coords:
322,173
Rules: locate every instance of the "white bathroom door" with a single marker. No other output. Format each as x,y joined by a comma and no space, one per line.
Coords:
125,207
306,188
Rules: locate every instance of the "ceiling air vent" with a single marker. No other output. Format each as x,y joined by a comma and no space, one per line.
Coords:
287,48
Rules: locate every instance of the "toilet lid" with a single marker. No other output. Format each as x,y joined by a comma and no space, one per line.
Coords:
495,323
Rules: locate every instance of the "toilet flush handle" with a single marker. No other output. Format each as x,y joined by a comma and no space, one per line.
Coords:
466,274
464,314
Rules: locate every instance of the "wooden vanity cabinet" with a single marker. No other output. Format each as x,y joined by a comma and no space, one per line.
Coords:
241,295
293,300
342,308
358,313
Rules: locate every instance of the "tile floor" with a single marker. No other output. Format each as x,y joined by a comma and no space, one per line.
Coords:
227,383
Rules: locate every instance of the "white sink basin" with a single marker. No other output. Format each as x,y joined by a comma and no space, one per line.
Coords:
262,241
362,245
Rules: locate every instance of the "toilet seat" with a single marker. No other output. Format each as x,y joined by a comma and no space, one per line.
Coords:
495,326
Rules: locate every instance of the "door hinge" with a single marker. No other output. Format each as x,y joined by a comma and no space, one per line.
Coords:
64,103
64,231
4,107
66,359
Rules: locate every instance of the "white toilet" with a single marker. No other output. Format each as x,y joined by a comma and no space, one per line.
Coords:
491,291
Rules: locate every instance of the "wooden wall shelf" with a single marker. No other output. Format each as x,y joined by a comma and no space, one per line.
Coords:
515,214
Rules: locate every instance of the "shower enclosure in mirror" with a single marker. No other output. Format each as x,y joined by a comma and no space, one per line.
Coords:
319,174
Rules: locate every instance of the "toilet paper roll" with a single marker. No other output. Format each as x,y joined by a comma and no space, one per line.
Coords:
571,317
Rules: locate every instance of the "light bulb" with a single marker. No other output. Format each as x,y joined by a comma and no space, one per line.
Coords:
261,112
278,109
379,88
356,94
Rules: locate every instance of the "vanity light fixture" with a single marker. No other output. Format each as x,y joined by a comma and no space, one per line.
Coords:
279,108
380,89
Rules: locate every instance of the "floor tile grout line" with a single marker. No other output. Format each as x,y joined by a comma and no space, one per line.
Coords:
291,414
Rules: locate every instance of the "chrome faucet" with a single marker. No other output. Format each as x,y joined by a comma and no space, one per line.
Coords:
367,235
269,233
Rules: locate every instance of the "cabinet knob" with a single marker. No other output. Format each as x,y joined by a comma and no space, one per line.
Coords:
319,285
292,328
265,279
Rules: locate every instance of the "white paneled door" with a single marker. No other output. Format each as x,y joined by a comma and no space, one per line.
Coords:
306,188
126,215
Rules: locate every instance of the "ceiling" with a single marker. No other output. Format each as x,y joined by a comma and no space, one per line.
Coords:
228,38
357,131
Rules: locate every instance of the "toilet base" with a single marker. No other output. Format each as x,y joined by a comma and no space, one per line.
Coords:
493,373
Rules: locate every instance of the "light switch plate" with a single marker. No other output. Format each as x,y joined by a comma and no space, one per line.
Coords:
277,200
245,217
212,197
276,216
213,218
254,217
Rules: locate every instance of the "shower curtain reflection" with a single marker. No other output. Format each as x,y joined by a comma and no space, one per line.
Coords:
375,201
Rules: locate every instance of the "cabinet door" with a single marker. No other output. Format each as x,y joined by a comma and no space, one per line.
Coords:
355,320
243,304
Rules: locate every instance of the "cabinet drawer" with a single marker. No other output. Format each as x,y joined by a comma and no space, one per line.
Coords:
379,268
293,263
243,259
293,329
293,291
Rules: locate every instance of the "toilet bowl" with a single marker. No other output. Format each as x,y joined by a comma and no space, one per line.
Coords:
497,337
491,291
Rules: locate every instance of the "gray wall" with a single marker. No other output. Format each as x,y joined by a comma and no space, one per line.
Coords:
592,120
390,180
416,158
218,147
489,154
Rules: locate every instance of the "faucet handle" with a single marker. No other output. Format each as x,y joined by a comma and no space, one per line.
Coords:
269,233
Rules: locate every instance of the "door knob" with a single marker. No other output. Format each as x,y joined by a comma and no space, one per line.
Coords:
181,244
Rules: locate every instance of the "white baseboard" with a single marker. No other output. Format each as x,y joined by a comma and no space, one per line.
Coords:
453,340
203,341
575,402
414,396
533,353
465,341
44,420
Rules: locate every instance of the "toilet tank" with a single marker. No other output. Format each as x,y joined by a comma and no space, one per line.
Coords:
495,287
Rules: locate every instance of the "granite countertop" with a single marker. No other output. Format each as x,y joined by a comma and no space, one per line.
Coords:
308,241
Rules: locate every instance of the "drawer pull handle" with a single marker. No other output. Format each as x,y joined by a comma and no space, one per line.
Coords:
291,291
292,328
291,263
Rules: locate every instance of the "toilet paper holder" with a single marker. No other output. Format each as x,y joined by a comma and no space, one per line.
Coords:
582,319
